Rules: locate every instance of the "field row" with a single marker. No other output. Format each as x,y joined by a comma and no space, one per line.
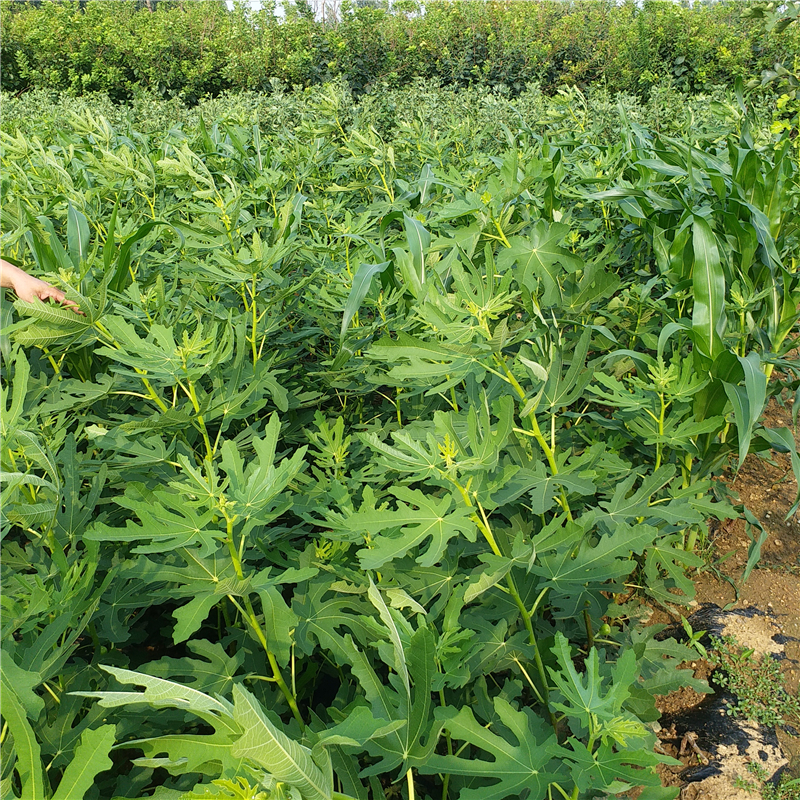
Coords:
372,441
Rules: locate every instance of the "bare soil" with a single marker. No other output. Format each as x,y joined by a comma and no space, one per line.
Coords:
772,591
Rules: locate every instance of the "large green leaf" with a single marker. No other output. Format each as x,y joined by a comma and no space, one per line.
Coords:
253,489
362,281
270,748
26,748
577,576
748,401
323,612
708,282
425,365
608,770
77,236
167,522
419,239
91,758
584,698
541,259
528,765
666,567
186,752
418,517
406,700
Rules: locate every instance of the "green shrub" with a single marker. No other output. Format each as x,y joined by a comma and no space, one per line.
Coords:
191,49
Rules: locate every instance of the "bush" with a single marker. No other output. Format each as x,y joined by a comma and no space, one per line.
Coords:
191,49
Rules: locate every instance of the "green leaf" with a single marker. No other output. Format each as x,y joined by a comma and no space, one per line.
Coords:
122,276
754,551
527,766
606,770
273,750
279,622
212,671
188,752
162,693
545,487
168,522
90,759
29,759
77,235
668,557
21,682
388,620
419,240
625,507
577,577
609,558
362,281
494,570
255,488
192,615
11,413
419,518
323,612
560,389
748,401
541,259
584,696
708,282
423,364
411,744
75,510
67,322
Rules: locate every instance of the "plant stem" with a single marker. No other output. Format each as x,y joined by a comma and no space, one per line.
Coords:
500,232
200,421
449,740
485,528
660,443
237,563
248,612
587,621
536,432
255,322
410,779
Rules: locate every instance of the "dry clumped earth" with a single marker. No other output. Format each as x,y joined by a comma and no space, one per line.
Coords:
715,748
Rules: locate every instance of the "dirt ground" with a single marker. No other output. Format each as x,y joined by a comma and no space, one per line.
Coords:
771,596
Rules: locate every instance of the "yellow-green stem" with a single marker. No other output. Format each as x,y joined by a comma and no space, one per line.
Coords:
536,432
660,443
500,233
56,367
449,740
485,528
237,563
151,392
250,615
255,322
201,422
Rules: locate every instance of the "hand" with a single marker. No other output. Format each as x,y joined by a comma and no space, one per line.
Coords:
28,288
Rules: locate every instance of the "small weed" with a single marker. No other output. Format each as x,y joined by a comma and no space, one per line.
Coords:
694,638
787,788
756,682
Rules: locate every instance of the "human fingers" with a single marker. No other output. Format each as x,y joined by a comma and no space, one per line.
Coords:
46,292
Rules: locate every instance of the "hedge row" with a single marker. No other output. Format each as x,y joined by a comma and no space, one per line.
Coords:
192,49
